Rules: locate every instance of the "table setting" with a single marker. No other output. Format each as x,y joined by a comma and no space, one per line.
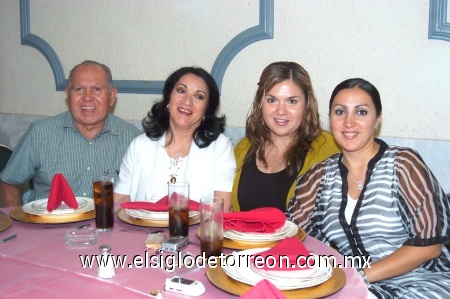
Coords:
153,214
35,242
266,233
259,233
60,207
262,227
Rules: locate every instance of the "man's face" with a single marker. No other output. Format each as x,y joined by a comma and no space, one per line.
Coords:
90,98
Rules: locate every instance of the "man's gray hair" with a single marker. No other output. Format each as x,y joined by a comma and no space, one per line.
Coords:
90,63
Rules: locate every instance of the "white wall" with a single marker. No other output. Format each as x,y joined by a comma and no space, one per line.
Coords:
383,41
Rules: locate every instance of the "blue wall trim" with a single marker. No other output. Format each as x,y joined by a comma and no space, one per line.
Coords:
262,31
41,45
438,27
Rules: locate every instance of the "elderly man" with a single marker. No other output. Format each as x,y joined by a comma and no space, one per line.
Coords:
79,143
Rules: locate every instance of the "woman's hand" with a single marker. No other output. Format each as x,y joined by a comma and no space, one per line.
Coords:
227,207
121,197
401,261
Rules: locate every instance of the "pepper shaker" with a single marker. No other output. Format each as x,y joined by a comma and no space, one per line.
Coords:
106,265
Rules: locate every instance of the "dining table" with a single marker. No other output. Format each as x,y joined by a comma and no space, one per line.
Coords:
39,264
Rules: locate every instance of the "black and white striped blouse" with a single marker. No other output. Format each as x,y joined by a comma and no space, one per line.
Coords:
401,204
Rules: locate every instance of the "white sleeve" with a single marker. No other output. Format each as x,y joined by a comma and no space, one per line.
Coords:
123,186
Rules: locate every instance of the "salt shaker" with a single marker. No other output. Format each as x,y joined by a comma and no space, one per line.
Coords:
106,265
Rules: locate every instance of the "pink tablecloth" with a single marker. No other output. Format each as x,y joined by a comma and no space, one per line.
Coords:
38,264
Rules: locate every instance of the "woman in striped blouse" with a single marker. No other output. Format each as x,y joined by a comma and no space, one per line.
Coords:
377,201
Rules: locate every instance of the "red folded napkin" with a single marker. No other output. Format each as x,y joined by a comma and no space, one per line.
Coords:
290,247
263,290
261,220
159,206
60,191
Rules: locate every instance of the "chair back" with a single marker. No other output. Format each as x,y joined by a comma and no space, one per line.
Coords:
5,154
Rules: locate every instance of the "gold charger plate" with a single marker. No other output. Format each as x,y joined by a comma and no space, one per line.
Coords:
20,215
220,279
124,217
232,244
5,222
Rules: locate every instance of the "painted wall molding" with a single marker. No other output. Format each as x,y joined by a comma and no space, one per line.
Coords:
438,28
264,30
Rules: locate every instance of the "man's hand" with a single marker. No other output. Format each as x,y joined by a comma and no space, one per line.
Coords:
10,195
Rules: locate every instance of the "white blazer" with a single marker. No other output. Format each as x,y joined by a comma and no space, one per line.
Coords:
145,169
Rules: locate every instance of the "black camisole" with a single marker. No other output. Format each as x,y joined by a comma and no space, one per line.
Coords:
257,189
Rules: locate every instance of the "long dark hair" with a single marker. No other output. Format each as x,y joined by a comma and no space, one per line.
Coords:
310,128
156,123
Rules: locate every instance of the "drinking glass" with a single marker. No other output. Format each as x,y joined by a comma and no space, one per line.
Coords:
178,204
103,187
211,226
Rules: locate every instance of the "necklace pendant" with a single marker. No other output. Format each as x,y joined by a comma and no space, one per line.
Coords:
359,185
173,180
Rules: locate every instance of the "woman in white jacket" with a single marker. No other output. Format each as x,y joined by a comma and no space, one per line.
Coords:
183,142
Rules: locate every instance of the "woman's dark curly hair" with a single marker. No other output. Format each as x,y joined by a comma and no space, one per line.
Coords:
156,123
259,135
